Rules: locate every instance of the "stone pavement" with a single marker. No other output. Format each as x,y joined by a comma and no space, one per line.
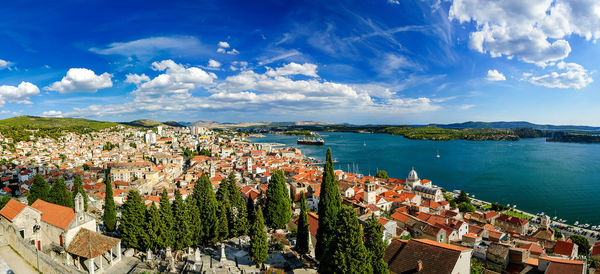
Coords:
14,261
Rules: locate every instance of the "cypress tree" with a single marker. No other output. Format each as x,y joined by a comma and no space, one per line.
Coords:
346,249
259,248
250,208
207,207
375,246
222,229
182,230
277,206
110,213
238,221
166,233
132,221
195,222
59,194
329,205
303,240
151,228
78,188
39,189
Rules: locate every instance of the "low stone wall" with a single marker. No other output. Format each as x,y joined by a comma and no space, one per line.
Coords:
46,265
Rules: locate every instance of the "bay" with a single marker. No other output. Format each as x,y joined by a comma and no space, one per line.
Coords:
560,179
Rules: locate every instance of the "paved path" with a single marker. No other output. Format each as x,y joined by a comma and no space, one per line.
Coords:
15,262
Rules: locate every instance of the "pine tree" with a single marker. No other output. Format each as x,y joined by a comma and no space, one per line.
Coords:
207,207
238,221
329,205
59,194
132,221
151,228
166,233
347,253
303,240
78,188
259,247
375,246
39,189
110,213
277,206
182,230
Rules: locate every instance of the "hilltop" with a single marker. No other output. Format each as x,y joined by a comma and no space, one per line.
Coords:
47,122
513,125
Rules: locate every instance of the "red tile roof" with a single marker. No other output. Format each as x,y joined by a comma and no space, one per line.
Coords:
89,244
12,209
564,248
56,215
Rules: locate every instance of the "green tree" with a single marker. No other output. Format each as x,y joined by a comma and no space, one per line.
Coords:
39,189
78,188
110,212
4,200
222,229
238,220
277,206
132,221
303,235
182,227
582,243
375,246
195,222
347,251
251,209
462,198
329,205
166,232
466,207
259,247
59,194
151,229
207,207
382,174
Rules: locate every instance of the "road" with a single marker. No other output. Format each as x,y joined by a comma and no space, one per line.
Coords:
16,263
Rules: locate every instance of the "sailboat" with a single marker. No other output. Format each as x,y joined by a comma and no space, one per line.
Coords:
364,144
438,154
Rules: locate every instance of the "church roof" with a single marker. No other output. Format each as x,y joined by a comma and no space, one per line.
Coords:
56,215
12,209
89,244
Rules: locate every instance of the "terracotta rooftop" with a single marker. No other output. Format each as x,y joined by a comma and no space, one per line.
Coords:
56,215
12,209
564,248
402,257
89,244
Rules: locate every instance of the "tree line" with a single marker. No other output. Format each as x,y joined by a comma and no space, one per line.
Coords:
58,193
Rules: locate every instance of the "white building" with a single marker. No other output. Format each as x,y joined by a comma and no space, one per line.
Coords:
150,138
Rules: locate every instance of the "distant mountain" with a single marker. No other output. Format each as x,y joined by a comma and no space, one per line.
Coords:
173,124
143,123
512,125
47,122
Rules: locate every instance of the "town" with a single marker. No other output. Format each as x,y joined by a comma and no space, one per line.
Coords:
199,200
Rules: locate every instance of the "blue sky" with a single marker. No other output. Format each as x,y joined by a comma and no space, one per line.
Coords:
378,61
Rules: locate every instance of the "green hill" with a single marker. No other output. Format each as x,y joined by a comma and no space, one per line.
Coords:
173,124
143,123
35,122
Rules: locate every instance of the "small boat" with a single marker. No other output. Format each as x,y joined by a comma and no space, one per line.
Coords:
554,218
364,144
576,223
438,154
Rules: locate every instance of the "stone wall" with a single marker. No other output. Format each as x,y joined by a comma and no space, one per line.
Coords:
28,251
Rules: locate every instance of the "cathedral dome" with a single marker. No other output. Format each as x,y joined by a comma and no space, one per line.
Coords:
412,176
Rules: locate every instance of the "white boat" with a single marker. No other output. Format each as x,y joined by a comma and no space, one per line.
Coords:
438,154
364,144
554,218
586,225
576,223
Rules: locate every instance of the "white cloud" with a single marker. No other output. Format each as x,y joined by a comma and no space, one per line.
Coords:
535,31
223,45
136,79
181,89
238,65
494,75
19,94
52,113
395,2
81,80
148,48
465,107
292,68
4,64
572,76
213,64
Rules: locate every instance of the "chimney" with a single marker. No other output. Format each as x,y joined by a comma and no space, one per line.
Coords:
419,266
